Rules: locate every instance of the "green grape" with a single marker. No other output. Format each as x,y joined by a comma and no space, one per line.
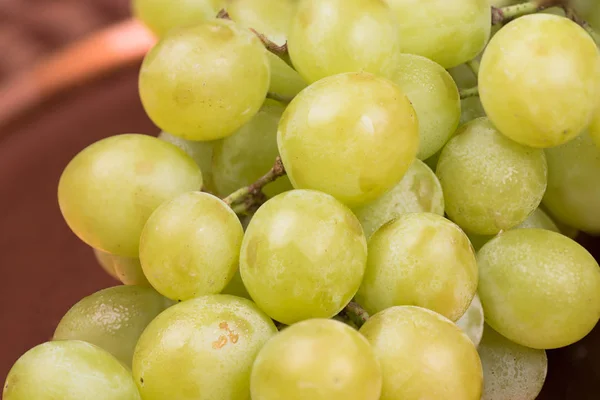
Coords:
240,159
418,191
190,246
510,371
419,259
447,32
108,191
303,256
112,319
318,359
539,288
328,37
236,287
378,137
595,128
472,321
128,270
423,356
490,183
69,370
534,66
204,82
201,349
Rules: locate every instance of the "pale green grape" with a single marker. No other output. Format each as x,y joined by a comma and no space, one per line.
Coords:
204,82
419,259
128,270
472,321
490,183
534,66
112,319
328,37
354,150
236,287
303,256
539,288
190,246
108,191
510,371
418,191
69,370
201,349
423,356
318,359
595,128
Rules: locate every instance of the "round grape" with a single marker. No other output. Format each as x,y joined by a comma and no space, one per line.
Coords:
472,321
128,270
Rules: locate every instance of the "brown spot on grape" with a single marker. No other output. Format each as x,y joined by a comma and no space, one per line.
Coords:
144,167
219,343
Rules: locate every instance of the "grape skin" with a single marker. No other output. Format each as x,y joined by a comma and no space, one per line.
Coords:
472,322
128,270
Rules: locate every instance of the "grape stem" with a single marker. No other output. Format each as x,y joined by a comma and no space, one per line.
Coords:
572,15
355,314
471,92
253,193
501,15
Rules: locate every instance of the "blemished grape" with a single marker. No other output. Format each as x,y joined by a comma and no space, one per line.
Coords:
190,246
418,191
204,82
202,349
534,66
69,370
128,270
423,355
490,183
419,259
108,191
329,37
112,319
354,150
539,288
472,321
510,371
303,256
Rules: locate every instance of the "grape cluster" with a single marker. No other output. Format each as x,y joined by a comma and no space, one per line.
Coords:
286,236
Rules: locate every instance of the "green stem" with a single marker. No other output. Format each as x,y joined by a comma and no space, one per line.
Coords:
355,314
255,190
471,92
505,14
571,14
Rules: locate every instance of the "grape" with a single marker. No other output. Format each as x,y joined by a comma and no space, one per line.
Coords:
353,150
128,270
303,256
510,371
108,191
418,191
534,66
490,183
112,319
106,262
318,359
595,128
204,82
328,37
472,321
190,246
201,349
423,356
419,259
69,370
539,288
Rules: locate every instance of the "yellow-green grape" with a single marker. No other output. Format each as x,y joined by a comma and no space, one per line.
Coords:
112,319
418,191
539,288
204,82
240,159
447,32
69,370
201,349
419,259
328,37
190,246
595,128
108,191
490,183
510,371
423,355
236,287
378,137
472,321
303,256
534,66
128,270
318,359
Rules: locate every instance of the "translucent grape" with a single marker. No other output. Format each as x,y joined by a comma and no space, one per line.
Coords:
378,134
190,246
303,256
490,183
318,359
128,270
534,66
108,191
201,349
472,321
423,356
419,259
204,82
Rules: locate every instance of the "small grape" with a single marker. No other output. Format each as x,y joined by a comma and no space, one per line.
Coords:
472,321
128,270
